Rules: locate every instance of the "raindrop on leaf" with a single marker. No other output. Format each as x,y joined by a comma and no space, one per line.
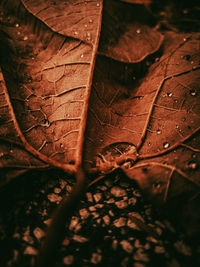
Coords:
169,94
192,165
158,131
193,92
166,145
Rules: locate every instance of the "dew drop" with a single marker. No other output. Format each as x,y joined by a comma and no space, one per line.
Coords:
75,33
192,62
165,145
98,4
1,154
187,57
159,131
82,55
88,38
134,78
149,144
90,21
177,126
169,94
157,59
194,156
18,33
85,25
138,31
25,38
184,39
16,25
61,145
192,165
193,92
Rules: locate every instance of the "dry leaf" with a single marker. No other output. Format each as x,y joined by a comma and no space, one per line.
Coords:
43,107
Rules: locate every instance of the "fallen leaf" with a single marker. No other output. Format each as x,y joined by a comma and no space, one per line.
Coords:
154,129
43,107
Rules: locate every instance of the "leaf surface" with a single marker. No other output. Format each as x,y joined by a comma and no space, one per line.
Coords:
43,108
155,125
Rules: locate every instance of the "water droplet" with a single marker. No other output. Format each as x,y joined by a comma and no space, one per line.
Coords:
184,39
159,131
193,92
187,57
192,165
1,154
134,78
157,59
67,115
191,62
16,25
18,33
90,21
88,34
85,25
177,126
75,33
61,145
11,151
98,4
82,55
194,156
149,144
88,38
169,94
25,38
138,31
165,145
156,185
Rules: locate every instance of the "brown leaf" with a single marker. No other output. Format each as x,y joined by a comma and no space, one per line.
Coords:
155,127
125,35
43,108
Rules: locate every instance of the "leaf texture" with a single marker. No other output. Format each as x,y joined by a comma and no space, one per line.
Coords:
43,107
156,126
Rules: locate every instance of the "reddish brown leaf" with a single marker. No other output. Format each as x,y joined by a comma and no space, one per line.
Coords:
155,128
43,109
125,35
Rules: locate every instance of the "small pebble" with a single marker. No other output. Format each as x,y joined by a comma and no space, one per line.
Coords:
54,198
63,183
80,239
120,222
106,219
57,190
89,197
97,197
117,191
139,255
96,258
84,213
159,249
121,204
38,233
126,246
30,251
68,260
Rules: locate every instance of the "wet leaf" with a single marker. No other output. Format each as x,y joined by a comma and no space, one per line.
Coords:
125,35
153,127
43,106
